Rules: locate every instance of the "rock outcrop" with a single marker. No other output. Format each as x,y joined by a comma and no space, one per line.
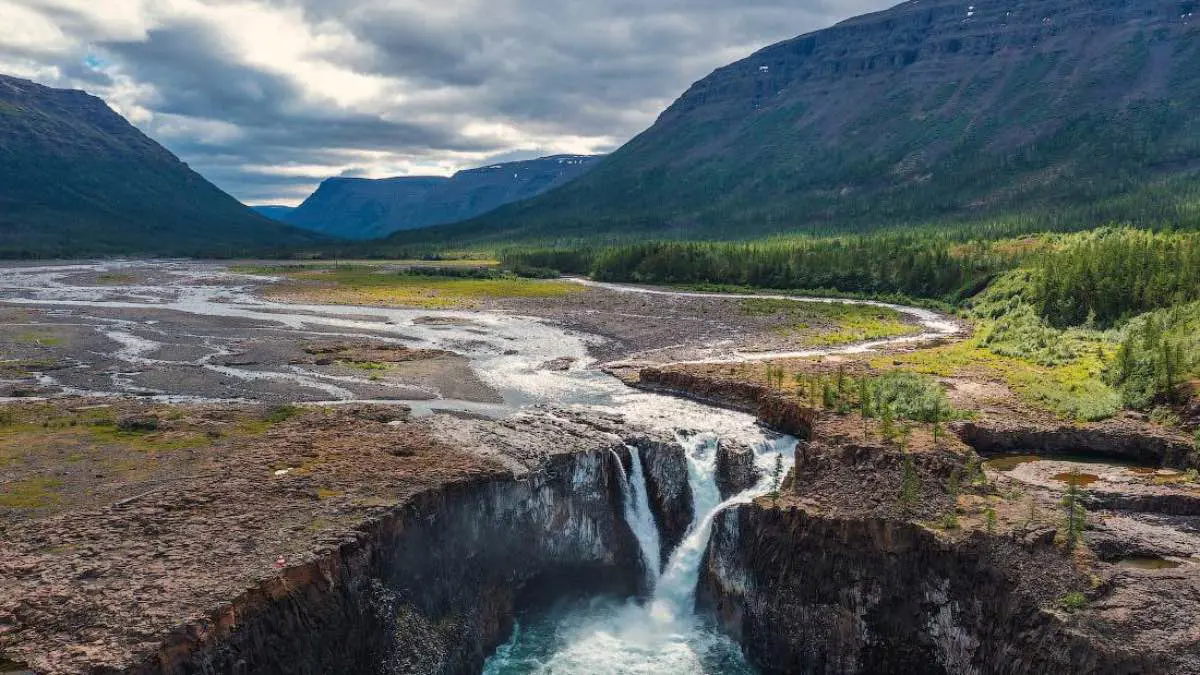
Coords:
1117,438
837,575
736,470
459,535
807,593
781,413
668,489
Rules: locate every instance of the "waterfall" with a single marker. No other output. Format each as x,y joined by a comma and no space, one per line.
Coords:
662,636
675,595
641,518
639,515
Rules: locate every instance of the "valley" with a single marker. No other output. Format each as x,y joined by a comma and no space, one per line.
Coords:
876,351
272,466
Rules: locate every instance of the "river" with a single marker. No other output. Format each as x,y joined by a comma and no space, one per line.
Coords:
190,317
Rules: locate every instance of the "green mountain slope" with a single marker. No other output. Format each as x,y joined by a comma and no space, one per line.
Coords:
932,110
76,179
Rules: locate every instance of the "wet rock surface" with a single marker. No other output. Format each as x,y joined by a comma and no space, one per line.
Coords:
668,489
778,412
736,471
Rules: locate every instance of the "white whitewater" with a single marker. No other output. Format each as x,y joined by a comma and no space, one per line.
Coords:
641,518
663,636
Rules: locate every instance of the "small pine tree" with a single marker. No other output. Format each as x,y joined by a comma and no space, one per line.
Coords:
777,477
910,485
828,397
989,516
864,399
887,424
950,520
1076,515
953,484
935,415
973,473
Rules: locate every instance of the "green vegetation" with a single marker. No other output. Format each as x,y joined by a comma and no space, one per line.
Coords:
953,490
443,289
989,516
823,324
889,265
1077,324
1073,602
890,396
1108,276
1156,354
30,493
1076,515
283,413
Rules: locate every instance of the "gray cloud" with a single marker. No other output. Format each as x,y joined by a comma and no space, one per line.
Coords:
447,84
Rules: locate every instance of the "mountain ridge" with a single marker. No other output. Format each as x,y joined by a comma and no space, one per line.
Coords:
927,111
362,208
79,179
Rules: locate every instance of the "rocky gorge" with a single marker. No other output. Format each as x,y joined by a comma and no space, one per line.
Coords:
614,529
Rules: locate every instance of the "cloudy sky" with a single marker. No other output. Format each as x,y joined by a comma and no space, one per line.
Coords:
268,97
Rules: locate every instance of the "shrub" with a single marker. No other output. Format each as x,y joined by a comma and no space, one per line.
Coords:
281,413
138,424
1073,602
910,396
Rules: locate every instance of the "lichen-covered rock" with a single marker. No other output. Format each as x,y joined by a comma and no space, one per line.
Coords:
736,470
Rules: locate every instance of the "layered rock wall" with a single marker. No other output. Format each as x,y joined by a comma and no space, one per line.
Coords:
434,586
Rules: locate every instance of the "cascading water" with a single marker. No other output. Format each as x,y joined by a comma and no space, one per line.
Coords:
640,517
662,635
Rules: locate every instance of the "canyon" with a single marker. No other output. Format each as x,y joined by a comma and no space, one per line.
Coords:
544,517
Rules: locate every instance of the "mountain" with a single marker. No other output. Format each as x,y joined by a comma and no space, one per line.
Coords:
358,208
278,213
361,208
930,111
80,180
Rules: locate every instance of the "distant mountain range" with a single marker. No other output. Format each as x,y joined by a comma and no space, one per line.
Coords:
359,208
279,213
79,180
932,111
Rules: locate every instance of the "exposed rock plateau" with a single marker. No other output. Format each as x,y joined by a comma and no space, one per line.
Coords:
347,540
834,578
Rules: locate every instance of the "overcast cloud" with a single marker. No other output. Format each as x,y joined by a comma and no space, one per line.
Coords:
268,97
